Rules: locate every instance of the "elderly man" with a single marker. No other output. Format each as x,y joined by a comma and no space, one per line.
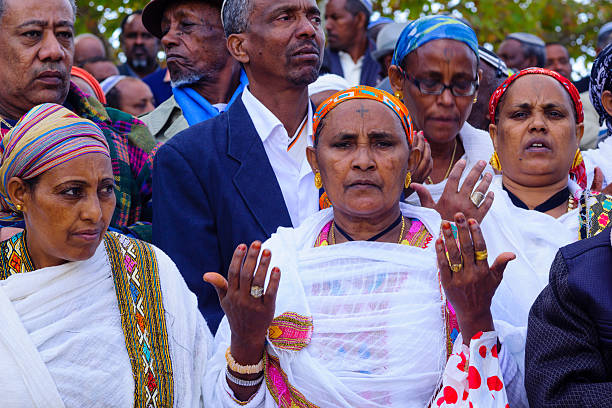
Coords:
101,68
206,79
140,48
349,48
494,72
522,50
38,39
128,94
239,176
88,47
385,44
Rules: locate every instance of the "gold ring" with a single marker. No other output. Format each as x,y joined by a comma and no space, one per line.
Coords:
481,255
477,198
257,291
456,267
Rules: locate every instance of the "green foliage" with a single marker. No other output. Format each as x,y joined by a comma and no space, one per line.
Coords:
94,16
103,17
573,23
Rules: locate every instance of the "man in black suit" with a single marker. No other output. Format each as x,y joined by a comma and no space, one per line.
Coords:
349,47
239,176
568,358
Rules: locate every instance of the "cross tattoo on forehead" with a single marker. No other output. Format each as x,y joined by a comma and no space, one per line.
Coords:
362,111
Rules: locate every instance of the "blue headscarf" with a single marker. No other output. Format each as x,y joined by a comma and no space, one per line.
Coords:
430,28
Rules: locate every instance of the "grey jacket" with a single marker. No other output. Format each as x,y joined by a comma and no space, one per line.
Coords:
166,120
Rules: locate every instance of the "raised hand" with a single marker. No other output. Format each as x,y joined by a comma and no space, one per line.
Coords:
468,281
249,311
464,200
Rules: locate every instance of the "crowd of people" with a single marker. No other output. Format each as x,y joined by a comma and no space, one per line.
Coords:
300,208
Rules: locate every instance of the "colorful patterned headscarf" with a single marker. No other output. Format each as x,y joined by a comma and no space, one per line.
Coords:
601,75
365,92
429,28
578,170
47,136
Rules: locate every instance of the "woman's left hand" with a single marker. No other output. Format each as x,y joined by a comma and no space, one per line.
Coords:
468,281
456,198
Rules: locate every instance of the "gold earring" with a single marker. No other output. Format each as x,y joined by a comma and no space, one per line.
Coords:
475,99
399,95
318,180
408,180
577,159
18,207
495,163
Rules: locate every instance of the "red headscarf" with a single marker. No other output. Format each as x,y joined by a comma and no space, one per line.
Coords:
95,85
578,170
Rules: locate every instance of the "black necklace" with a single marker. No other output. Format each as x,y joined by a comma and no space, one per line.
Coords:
553,202
375,237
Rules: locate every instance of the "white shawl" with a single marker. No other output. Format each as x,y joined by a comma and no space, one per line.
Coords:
376,307
73,352
535,238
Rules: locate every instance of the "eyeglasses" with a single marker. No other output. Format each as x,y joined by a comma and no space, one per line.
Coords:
433,87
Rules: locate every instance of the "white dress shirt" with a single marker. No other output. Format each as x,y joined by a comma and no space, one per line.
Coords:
351,69
292,171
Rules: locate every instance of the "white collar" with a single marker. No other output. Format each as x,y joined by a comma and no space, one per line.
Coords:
265,121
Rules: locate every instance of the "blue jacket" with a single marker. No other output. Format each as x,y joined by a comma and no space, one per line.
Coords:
214,189
161,90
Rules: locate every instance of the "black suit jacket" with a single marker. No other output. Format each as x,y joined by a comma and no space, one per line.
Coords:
370,70
214,189
568,357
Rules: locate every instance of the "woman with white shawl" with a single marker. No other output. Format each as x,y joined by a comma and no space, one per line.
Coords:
359,318
537,126
87,317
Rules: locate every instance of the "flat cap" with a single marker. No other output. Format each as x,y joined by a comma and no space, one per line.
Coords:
153,13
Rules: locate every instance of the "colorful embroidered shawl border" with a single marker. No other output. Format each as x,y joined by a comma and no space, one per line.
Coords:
594,217
285,395
14,258
136,275
416,236
136,279
290,331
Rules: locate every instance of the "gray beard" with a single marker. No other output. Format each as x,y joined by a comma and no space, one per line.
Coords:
188,79
140,63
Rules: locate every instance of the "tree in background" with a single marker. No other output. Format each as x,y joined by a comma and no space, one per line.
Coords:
573,23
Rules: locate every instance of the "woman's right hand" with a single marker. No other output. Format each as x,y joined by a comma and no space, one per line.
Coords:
469,288
249,317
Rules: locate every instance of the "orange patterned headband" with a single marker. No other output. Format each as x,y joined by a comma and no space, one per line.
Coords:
365,92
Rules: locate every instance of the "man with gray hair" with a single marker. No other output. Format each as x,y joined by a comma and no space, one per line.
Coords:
239,176
37,43
523,50
206,80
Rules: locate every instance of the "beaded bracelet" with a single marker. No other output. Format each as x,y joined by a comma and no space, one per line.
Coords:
241,382
243,369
